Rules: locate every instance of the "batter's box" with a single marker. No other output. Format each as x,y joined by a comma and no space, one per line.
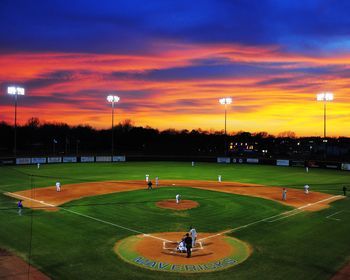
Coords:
172,246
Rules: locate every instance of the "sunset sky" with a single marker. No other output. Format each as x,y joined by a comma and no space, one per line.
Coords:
171,61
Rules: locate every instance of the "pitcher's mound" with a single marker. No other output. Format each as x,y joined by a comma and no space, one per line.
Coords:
158,251
183,205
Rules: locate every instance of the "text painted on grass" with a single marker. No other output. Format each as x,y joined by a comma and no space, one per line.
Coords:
217,265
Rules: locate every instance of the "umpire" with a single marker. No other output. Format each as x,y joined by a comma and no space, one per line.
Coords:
188,243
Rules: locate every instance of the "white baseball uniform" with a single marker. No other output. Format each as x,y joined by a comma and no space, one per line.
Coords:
219,178
306,189
147,178
38,165
177,197
192,163
58,186
193,233
157,181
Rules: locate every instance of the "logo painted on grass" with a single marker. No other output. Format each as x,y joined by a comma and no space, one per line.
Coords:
214,254
218,265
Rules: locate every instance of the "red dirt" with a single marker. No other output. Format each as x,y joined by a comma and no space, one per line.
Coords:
295,197
214,249
14,268
182,205
343,274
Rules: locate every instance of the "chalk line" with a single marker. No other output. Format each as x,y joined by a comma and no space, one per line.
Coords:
87,216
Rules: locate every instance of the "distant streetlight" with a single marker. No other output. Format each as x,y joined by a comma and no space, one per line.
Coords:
15,90
113,99
325,97
225,101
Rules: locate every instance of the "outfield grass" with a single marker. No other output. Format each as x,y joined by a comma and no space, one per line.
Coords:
68,246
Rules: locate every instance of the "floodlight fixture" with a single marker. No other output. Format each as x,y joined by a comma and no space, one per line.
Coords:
225,101
325,97
113,99
15,91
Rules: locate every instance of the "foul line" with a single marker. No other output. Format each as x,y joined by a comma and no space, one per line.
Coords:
283,214
86,216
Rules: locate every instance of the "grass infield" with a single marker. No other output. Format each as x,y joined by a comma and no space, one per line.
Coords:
310,245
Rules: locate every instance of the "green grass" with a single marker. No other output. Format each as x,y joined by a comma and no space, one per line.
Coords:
67,246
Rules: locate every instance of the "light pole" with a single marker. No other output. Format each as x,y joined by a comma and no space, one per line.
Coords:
325,97
113,99
225,101
15,90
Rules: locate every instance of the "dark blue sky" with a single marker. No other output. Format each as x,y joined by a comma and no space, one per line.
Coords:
133,26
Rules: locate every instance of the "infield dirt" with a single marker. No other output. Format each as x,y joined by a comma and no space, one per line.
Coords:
40,197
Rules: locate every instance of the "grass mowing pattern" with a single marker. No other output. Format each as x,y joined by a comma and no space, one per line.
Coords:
66,246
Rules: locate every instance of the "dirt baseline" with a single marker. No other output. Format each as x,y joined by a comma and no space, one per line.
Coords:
39,198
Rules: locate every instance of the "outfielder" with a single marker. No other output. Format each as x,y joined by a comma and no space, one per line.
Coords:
20,207
58,186
178,198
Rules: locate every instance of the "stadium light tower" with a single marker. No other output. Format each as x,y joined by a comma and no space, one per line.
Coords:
113,99
325,97
225,101
15,90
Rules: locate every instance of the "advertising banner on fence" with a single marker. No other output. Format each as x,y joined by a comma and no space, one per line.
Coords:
69,159
7,161
87,159
297,163
252,160
22,160
38,160
118,158
282,162
104,159
224,160
54,159
345,166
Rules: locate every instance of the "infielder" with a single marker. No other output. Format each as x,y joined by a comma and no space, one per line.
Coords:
284,194
193,233
58,186
147,178
219,178
178,198
157,181
306,189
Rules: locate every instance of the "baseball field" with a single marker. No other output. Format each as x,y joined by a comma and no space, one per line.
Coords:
105,224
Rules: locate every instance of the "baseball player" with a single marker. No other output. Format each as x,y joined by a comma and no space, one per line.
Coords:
149,184
58,186
20,207
188,243
307,169
192,163
157,181
193,233
147,178
38,165
306,189
178,198
344,190
284,194
219,178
